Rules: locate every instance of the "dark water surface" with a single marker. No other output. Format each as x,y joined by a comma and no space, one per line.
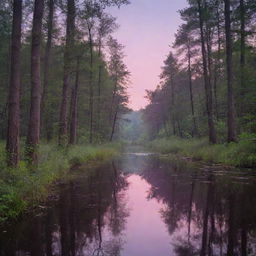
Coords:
141,205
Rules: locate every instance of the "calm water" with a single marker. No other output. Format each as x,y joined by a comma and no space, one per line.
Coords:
140,205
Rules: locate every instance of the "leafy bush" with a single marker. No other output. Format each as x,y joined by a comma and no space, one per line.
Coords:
11,206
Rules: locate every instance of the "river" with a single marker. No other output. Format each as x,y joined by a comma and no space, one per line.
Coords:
142,205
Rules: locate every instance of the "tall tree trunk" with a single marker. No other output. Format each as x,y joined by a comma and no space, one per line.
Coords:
215,82
208,40
231,104
44,121
12,144
114,123
70,31
194,131
179,128
242,51
73,122
173,106
91,87
207,82
113,99
34,119
217,65
99,86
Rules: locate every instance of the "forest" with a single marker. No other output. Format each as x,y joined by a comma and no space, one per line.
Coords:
63,85
56,43
208,85
64,98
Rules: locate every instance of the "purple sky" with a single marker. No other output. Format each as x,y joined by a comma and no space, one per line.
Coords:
147,29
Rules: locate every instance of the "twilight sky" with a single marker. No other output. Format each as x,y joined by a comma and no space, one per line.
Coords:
147,29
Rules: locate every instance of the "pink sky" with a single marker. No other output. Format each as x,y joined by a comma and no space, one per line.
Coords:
147,29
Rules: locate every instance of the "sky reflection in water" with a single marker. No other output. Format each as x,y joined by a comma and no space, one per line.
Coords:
141,205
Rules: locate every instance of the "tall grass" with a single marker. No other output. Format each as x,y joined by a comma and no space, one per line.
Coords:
23,187
240,154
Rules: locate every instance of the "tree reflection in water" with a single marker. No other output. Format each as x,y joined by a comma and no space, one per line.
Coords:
88,219
208,211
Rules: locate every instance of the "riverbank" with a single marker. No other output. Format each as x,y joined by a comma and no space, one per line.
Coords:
240,154
23,188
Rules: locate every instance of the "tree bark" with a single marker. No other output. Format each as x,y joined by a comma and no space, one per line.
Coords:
194,131
217,65
47,55
173,106
242,51
34,119
113,99
207,82
91,104
73,123
231,104
99,87
70,31
12,145
114,124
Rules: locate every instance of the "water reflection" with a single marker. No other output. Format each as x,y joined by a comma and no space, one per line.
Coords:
141,205
208,211
87,219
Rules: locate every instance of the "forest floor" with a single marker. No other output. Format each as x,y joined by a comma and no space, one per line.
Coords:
24,188
239,154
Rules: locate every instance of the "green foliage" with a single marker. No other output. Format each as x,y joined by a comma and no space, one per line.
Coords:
240,154
25,186
11,206
78,155
178,105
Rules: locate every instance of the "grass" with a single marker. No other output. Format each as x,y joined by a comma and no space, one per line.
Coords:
23,188
240,154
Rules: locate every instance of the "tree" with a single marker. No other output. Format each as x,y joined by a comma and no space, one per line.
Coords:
70,33
169,73
73,110
229,64
186,43
34,118
207,80
119,75
6,10
47,56
12,144
91,11
242,41
105,27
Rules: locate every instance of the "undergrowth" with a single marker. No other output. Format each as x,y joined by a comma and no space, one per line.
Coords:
240,154
24,187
